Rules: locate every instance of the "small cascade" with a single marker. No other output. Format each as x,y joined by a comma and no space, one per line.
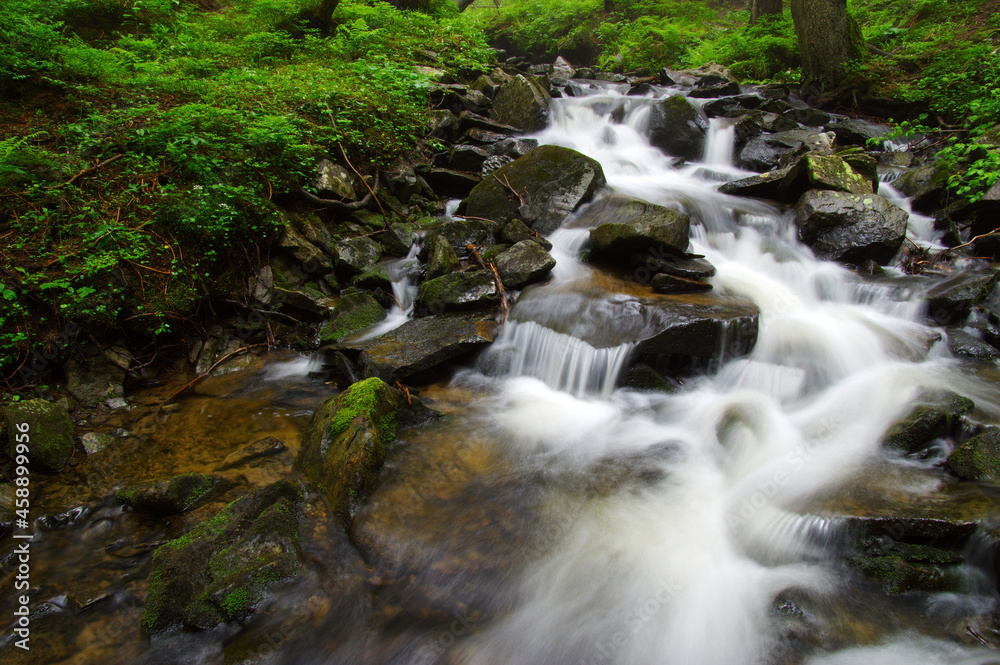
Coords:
404,291
562,361
720,143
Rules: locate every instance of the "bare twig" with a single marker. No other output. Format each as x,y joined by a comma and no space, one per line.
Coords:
506,183
92,168
209,371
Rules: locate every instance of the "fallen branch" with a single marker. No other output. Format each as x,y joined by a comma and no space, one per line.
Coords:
966,244
340,205
202,376
92,168
506,183
504,299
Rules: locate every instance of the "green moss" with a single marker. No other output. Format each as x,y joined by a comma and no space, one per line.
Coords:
366,398
354,312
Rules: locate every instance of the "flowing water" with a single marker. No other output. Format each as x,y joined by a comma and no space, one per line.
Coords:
556,519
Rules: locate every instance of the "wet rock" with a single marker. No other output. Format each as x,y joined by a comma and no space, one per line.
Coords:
397,239
898,575
95,442
95,381
220,571
639,90
344,443
850,228
441,257
334,181
641,376
710,88
686,267
522,103
863,164
376,277
962,343
302,250
49,433
763,186
851,131
467,158
515,231
951,300
678,127
826,172
636,226
808,116
458,290
354,313
664,283
545,186
978,458
930,530
421,345
443,124
933,417
448,182
469,120
173,496
766,152
513,147
927,185
562,71
462,233
355,255
269,446
522,264
304,300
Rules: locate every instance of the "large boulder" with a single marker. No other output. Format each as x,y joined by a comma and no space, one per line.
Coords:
334,181
458,290
47,430
926,185
522,103
541,188
354,312
678,127
771,151
355,255
850,228
220,571
634,225
419,346
345,441
828,172
522,264
462,233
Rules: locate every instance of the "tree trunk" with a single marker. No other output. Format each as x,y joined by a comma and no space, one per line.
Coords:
761,8
829,38
324,13
464,4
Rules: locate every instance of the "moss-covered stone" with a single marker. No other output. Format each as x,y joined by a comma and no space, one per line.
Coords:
827,172
541,188
345,441
978,458
678,127
462,233
459,290
398,238
49,435
515,231
932,417
897,575
522,103
635,225
172,496
376,277
220,570
441,257
522,264
354,312
355,255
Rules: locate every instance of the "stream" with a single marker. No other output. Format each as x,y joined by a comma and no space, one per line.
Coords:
555,518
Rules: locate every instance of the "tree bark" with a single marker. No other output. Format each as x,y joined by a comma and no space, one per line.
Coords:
829,38
324,13
761,8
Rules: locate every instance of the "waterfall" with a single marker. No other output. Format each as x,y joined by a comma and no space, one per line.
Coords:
720,142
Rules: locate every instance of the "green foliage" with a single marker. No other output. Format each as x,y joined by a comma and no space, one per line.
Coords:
759,52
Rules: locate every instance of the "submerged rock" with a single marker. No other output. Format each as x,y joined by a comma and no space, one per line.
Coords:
354,313
850,228
220,570
636,225
678,127
951,300
541,188
979,457
934,416
176,495
345,441
45,427
421,345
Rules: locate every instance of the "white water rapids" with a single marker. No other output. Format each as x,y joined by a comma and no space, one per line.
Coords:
685,568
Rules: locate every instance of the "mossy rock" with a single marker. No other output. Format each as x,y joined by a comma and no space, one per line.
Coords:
515,231
50,433
828,172
541,188
345,441
933,417
462,233
459,290
397,239
978,458
376,277
678,127
522,264
354,312
522,103
441,257
897,575
220,570
355,255
634,225
172,496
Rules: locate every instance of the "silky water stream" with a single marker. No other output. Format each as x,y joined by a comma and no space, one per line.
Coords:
556,519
